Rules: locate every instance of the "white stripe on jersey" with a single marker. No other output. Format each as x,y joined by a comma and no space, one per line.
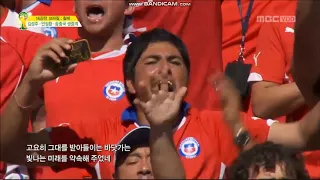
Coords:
16,172
114,53
222,170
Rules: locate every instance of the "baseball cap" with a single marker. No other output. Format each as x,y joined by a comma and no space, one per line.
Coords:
135,137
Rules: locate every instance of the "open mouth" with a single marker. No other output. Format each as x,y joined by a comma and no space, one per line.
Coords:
145,176
95,12
171,85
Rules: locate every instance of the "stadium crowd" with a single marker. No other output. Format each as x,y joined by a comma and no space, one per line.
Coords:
217,89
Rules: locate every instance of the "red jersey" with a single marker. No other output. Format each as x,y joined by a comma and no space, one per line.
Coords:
274,54
199,26
232,27
17,50
54,8
202,139
94,87
273,63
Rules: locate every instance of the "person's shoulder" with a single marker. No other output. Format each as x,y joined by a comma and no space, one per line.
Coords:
282,20
15,35
9,32
11,35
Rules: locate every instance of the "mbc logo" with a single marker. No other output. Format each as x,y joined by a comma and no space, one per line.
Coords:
277,19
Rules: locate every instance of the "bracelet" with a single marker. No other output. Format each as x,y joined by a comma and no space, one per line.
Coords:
21,106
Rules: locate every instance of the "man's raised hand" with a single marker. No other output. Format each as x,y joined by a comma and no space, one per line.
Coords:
163,107
229,96
46,64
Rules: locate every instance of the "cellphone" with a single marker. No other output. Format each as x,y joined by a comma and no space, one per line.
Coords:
80,51
239,73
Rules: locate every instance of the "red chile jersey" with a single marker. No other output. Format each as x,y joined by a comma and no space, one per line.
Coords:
273,64
96,86
232,27
203,140
17,50
274,54
199,26
54,8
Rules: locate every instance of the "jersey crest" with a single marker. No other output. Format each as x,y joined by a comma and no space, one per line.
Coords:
114,90
189,148
50,31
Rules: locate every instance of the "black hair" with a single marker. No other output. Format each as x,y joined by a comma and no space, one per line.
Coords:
268,155
8,4
141,43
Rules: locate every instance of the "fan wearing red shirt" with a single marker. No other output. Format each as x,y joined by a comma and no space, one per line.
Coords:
232,27
97,84
17,50
101,78
274,92
53,8
98,81
199,26
156,71
232,31
19,47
